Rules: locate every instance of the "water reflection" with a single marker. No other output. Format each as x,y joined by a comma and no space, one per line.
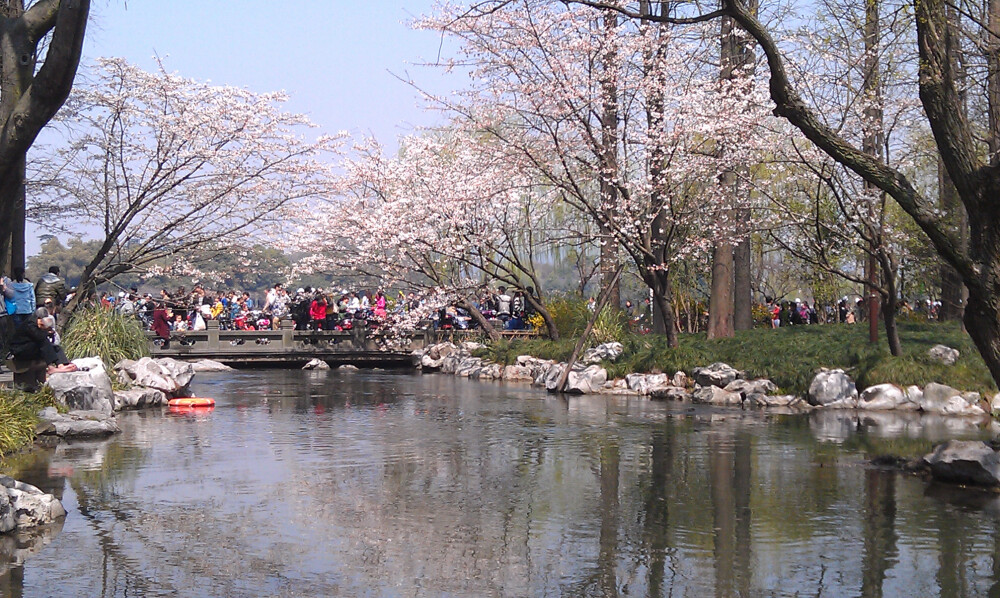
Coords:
389,484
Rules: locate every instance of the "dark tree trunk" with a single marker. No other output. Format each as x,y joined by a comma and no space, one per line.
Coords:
742,292
609,165
28,100
720,303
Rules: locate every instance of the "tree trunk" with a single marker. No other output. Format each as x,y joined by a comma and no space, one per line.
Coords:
742,292
609,163
478,316
29,99
720,303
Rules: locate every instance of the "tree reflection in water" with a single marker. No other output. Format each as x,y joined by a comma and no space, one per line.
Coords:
369,483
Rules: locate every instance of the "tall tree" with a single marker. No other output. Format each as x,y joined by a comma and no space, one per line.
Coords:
31,95
974,170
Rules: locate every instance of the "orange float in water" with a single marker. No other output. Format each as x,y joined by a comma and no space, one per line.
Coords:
191,402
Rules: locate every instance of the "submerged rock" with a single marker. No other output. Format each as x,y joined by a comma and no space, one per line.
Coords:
316,364
24,506
77,424
209,365
138,398
965,462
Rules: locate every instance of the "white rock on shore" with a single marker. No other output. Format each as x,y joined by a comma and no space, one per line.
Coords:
23,506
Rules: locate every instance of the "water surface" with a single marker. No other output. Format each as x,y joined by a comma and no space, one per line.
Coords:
367,483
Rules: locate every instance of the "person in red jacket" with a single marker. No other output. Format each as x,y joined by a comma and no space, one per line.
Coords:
317,312
161,323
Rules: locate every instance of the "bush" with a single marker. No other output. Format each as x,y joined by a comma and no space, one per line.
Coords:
569,314
106,334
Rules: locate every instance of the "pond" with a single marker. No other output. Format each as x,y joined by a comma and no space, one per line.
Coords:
379,483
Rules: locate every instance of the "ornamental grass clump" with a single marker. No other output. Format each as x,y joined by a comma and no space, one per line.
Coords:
106,334
19,416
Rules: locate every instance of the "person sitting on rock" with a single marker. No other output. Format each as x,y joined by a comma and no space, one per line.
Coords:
31,342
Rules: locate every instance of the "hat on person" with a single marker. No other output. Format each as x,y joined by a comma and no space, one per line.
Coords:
121,293
301,290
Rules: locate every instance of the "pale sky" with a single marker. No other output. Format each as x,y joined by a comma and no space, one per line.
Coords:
337,59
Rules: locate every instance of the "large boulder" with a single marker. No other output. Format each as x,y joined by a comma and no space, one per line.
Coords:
718,374
77,424
468,366
87,391
139,398
26,505
316,364
166,374
715,395
965,462
943,354
882,397
834,389
518,373
605,351
582,379
644,383
943,399
535,365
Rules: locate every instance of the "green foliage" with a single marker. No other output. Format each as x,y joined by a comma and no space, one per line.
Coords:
18,417
570,314
610,326
106,334
790,356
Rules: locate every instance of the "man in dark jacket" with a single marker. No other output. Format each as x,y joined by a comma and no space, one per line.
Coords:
50,286
31,345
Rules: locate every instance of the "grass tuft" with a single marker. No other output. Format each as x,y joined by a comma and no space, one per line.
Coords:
106,334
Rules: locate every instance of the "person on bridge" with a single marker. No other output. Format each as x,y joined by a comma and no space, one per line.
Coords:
161,324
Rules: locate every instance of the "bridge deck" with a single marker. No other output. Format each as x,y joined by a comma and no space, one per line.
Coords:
294,347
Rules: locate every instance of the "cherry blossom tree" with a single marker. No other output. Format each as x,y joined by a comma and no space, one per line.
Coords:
450,212
541,74
167,168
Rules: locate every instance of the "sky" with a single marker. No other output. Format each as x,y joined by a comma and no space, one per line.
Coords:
339,60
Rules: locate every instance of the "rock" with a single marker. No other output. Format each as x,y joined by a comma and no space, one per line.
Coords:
535,365
440,351
348,366
680,379
766,400
834,389
471,346
90,364
939,398
491,371
316,364
138,398
90,391
449,363
643,383
78,424
995,404
885,397
586,381
518,373
747,387
429,363
943,354
466,366
208,365
715,395
718,374
605,351
670,393
27,506
965,462
166,374
581,380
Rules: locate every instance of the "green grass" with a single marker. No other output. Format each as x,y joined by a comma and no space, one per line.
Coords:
790,356
18,417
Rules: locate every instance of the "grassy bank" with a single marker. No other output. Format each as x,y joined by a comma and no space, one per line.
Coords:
18,417
790,356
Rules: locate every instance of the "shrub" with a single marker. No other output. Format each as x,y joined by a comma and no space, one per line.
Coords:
569,314
18,417
106,334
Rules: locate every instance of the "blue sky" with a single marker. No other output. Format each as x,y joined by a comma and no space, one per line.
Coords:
339,60
334,57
